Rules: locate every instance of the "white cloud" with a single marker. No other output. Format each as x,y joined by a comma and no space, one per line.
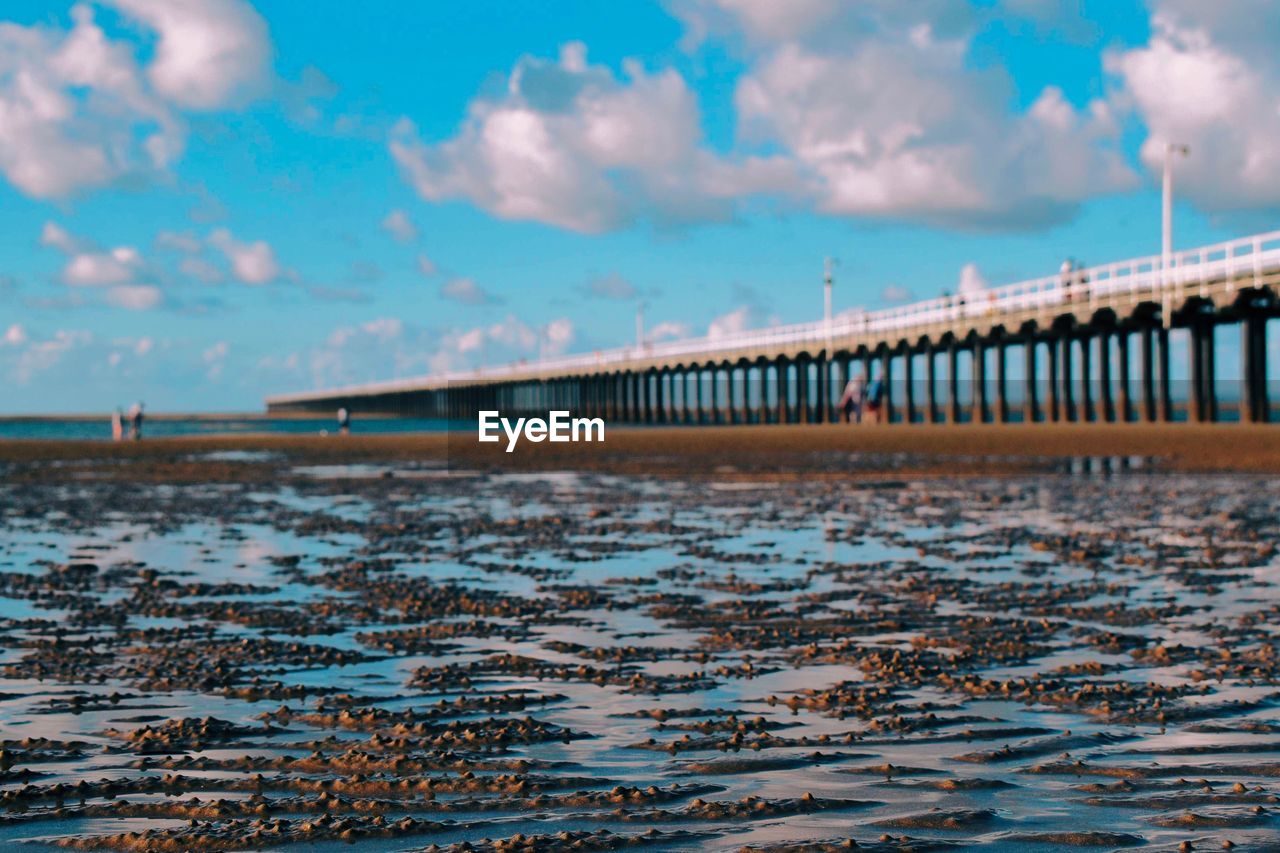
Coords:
1209,77
895,293
768,20
184,242
466,291
201,270
971,280
114,266
612,286
78,112
90,266
210,52
39,356
738,320
388,347
215,358
398,224
59,238
134,297
898,125
426,266
252,262
569,144
667,330
14,336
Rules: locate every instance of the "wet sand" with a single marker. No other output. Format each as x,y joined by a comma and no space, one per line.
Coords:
831,450
773,639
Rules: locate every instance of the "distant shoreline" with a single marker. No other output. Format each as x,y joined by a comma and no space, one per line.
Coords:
83,417
718,452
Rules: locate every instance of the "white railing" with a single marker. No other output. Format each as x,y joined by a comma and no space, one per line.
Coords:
1255,256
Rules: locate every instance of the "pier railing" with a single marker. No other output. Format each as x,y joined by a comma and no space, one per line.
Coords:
1144,278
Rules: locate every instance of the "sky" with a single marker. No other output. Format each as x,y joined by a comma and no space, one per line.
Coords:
203,202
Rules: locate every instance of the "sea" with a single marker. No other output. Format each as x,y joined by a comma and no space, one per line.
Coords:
80,428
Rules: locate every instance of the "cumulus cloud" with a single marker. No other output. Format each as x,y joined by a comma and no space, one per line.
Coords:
388,347
971,280
894,123
36,356
738,320
398,224
668,330
209,52
184,242
14,336
572,145
201,270
466,291
895,294
612,286
215,358
78,111
119,270
135,297
425,265
1209,77
252,262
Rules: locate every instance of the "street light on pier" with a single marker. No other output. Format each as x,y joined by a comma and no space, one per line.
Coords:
1166,225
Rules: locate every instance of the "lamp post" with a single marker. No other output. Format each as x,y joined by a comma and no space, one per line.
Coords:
827,265
1166,224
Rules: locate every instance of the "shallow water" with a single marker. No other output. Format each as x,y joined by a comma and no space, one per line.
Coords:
995,663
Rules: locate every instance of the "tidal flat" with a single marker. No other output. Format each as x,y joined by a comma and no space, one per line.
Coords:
402,657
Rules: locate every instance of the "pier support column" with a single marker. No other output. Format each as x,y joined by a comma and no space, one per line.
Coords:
931,384
782,389
742,410
1054,412
661,401
822,389
1165,392
886,380
802,390
1204,404
707,380
953,383
909,385
1029,389
1146,341
1210,353
1002,382
1088,411
1196,408
842,379
647,396
715,393
1105,395
1068,399
1255,404
762,402
978,378
1125,409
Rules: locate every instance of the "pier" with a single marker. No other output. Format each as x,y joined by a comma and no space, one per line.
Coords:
1093,345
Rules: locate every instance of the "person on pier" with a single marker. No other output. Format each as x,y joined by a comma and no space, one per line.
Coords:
852,398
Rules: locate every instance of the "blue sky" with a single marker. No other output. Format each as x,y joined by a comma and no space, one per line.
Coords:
205,201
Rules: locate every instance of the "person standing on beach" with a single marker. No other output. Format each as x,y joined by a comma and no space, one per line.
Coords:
117,425
135,421
851,400
875,391
344,421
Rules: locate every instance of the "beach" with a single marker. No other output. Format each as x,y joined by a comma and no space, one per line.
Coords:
766,638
